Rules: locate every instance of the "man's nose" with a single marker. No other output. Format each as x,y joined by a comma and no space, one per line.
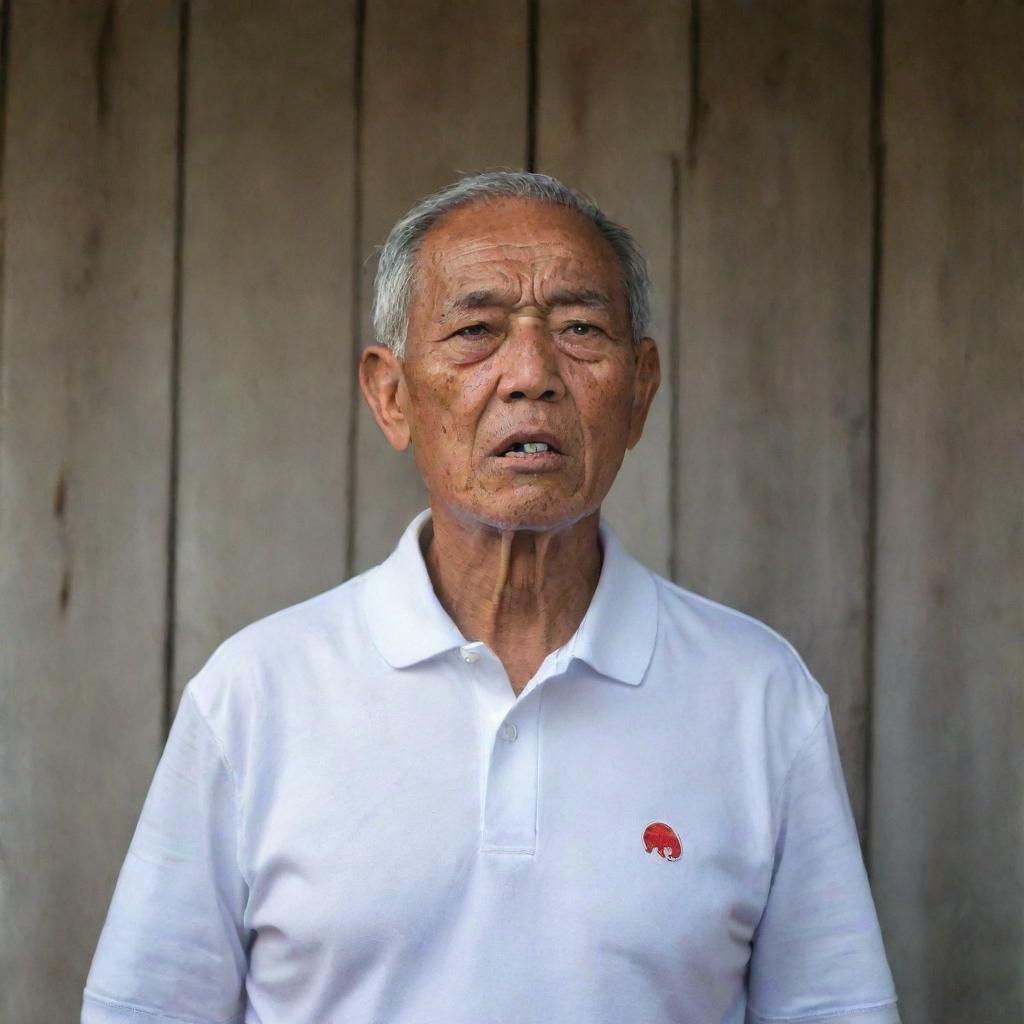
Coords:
530,368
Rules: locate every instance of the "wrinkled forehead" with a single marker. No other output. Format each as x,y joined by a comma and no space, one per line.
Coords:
519,248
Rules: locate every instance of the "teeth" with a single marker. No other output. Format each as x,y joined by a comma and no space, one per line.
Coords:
528,448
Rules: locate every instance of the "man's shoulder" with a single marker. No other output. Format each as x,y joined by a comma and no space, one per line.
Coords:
287,647
706,621
736,649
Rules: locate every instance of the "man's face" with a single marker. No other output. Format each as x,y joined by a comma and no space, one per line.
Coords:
519,337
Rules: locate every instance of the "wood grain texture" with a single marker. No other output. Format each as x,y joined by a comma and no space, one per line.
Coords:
445,94
89,184
947,850
612,99
266,346
775,336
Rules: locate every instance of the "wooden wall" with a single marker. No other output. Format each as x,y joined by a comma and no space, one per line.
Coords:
830,195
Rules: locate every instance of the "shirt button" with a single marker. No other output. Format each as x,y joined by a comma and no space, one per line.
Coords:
471,651
509,732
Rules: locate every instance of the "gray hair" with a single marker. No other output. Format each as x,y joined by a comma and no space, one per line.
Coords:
397,264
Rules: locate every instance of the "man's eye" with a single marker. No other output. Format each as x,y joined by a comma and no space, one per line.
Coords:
473,331
581,330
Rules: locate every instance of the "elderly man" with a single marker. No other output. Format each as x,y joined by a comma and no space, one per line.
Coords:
509,776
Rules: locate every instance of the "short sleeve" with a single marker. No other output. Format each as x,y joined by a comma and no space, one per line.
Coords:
817,952
173,945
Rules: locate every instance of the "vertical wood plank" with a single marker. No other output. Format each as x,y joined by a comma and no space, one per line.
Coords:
89,189
774,372
445,94
266,347
613,82
947,850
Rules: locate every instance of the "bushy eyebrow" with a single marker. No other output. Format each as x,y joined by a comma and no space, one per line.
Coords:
488,298
589,298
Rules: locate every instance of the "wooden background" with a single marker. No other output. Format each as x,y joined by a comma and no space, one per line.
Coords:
832,200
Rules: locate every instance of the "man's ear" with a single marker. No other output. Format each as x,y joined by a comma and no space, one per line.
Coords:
645,387
382,382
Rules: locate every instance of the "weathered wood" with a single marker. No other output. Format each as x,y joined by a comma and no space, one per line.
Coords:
267,290
618,132
84,468
445,94
775,335
947,833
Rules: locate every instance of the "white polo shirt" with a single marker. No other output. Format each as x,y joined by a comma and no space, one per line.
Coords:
356,821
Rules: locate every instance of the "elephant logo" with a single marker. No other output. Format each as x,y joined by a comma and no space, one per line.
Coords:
662,839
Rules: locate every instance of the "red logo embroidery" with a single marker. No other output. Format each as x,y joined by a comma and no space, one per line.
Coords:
662,838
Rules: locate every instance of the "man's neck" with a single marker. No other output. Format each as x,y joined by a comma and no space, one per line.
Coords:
523,593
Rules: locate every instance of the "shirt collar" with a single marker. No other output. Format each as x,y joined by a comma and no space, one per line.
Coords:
409,625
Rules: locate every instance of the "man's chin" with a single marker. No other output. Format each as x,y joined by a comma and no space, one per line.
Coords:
522,512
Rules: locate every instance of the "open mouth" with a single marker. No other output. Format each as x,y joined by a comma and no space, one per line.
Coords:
522,448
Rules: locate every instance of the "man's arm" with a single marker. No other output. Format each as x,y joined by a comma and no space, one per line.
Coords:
817,952
174,947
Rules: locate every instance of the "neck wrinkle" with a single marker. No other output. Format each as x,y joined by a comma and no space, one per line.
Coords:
517,591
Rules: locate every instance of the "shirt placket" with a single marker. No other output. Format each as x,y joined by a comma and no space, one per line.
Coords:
509,752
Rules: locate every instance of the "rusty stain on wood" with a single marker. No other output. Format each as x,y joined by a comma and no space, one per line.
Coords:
101,62
60,495
65,590
90,258
60,504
